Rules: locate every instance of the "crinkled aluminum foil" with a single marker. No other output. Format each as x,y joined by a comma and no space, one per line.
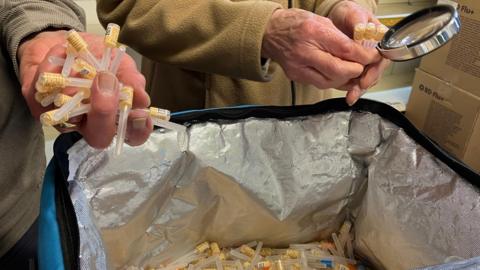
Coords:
92,252
457,263
279,181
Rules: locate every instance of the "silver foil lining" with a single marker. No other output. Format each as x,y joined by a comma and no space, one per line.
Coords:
281,182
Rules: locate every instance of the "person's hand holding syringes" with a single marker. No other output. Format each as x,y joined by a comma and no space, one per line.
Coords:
365,29
86,87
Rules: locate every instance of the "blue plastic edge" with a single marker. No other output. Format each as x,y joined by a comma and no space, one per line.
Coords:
213,109
50,254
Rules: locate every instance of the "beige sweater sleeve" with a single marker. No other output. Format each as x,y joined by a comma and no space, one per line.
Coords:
323,8
212,36
21,18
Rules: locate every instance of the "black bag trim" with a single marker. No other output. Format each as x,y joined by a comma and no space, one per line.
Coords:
66,218
65,211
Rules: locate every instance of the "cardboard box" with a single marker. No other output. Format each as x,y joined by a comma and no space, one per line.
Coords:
458,62
448,115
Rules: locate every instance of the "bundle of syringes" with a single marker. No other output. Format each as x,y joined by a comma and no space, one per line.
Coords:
335,254
79,59
369,35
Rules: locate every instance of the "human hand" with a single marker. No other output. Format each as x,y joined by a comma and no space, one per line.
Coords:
345,15
312,50
98,126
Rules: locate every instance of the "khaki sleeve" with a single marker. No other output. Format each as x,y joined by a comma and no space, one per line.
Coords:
323,8
21,18
212,36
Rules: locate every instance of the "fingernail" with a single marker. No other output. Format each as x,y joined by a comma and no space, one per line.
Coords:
352,101
139,123
106,83
149,100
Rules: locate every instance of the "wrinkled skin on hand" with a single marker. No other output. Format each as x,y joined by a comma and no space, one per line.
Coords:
345,15
98,126
312,49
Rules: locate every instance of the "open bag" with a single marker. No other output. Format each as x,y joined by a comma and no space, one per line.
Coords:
281,175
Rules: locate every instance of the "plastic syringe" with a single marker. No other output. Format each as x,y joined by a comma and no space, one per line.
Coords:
55,60
189,257
369,34
47,117
110,42
256,257
81,66
81,47
85,70
61,99
125,105
118,57
68,64
81,109
160,118
48,81
71,104
359,32
45,99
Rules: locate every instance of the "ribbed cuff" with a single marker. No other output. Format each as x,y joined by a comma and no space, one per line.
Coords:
31,18
251,40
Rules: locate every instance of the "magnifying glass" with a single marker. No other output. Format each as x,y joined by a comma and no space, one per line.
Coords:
420,33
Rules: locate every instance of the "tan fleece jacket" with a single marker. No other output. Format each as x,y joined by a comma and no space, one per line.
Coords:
207,53
22,151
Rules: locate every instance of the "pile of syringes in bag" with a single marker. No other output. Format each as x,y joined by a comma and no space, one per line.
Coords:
336,254
80,60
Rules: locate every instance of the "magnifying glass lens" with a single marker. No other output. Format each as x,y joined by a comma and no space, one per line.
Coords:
419,29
